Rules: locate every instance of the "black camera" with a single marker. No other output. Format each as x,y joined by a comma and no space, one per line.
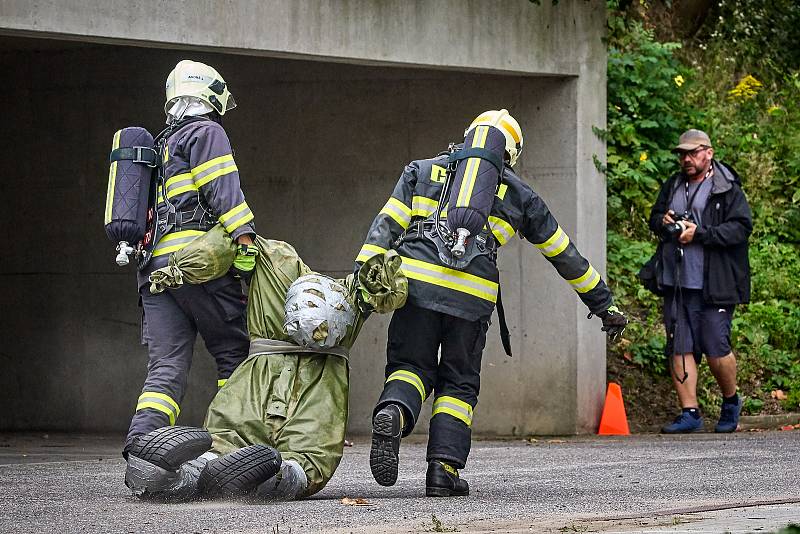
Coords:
673,230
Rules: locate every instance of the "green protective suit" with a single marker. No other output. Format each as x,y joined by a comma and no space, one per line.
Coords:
296,402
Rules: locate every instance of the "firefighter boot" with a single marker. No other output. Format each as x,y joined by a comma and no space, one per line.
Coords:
442,480
387,428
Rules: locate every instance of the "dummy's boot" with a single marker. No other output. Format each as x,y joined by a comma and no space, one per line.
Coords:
237,474
442,480
287,485
387,428
165,464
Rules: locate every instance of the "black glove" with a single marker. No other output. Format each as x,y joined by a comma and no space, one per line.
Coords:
614,322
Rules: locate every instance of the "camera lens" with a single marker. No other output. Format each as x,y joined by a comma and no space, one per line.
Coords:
673,230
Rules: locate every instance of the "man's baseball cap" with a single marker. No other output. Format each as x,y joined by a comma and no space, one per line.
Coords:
691,139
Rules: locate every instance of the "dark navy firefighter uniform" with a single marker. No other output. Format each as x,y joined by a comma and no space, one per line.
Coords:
448,310
201,181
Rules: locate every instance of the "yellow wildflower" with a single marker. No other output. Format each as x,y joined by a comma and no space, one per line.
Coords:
773,109
643,156
748,87
678,80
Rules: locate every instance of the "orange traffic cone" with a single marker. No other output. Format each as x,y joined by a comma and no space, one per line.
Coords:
614,421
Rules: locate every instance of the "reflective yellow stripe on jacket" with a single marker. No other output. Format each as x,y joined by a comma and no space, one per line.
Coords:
397,211
587,281
161,402
235,217
175,241
213,169
450,278
367,251
199,176
502,231
423,206
555,244
180,183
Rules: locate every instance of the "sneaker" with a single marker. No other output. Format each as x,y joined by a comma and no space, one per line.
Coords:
683,424
729,417
442,480
384,453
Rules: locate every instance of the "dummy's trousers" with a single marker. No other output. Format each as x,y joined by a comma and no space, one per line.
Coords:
417,336
170,325
296,403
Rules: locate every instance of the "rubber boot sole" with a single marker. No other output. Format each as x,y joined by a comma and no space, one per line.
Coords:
168,447
238,473
433,491
383,460
693,431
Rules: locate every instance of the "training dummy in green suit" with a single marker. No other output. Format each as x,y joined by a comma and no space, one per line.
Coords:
275,430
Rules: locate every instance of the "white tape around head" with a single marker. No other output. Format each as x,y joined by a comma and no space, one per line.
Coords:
317,312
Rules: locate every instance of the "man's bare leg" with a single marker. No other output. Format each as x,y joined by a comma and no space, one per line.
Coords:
687,391
724,370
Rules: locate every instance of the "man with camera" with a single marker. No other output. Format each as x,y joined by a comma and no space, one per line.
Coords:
703,223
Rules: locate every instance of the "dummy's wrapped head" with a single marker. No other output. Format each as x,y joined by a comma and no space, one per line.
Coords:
318,313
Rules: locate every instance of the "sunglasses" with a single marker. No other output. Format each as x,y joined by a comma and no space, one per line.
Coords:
692,153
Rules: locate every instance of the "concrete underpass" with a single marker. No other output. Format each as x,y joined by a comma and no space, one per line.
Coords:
320,145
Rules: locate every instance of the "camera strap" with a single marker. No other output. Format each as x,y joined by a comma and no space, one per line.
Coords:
690,201
677,307
677,294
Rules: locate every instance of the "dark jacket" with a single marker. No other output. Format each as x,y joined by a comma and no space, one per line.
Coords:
727,224
200,176
472,292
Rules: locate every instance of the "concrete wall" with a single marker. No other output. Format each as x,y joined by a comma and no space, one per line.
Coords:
312,140
486,35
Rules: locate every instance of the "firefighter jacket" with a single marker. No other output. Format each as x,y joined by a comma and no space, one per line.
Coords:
471,293
201,181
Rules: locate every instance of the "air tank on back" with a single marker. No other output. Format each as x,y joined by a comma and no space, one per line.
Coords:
129,181
474,185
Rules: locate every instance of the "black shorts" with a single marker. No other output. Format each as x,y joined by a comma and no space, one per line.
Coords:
701,328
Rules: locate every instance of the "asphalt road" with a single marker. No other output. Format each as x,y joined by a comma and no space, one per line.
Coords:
745,482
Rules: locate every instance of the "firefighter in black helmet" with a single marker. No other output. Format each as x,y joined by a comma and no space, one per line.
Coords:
448,308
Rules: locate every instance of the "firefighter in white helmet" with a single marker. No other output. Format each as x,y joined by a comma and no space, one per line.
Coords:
197,187
436,340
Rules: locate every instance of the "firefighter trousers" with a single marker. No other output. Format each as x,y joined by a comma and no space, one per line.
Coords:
430,351
170,325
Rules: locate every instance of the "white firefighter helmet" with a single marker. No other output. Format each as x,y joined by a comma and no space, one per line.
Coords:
507,124
194,79
318,313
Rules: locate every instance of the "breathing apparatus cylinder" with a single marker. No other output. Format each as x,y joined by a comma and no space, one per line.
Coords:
474,185
130,179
